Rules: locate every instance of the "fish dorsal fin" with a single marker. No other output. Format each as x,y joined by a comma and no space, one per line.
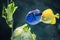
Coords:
57,15
48,12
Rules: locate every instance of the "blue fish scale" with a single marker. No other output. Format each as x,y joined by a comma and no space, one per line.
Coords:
32,18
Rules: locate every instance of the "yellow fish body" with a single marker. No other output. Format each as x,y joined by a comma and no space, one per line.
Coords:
48,17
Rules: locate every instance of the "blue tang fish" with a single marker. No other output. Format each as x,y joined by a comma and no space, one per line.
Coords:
33,17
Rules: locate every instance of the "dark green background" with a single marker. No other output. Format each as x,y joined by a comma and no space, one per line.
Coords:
43,31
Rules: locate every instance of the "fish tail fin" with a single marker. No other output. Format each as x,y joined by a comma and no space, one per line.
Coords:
57,15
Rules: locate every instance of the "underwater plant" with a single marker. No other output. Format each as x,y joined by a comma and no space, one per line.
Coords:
23,33
20,33
7,13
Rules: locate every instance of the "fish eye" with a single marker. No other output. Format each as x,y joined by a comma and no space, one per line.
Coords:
43,18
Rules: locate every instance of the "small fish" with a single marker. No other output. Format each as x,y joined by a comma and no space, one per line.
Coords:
33,17
48,17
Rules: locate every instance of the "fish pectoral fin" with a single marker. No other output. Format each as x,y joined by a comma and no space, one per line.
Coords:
57,15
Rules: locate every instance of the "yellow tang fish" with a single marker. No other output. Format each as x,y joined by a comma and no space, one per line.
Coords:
48,17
